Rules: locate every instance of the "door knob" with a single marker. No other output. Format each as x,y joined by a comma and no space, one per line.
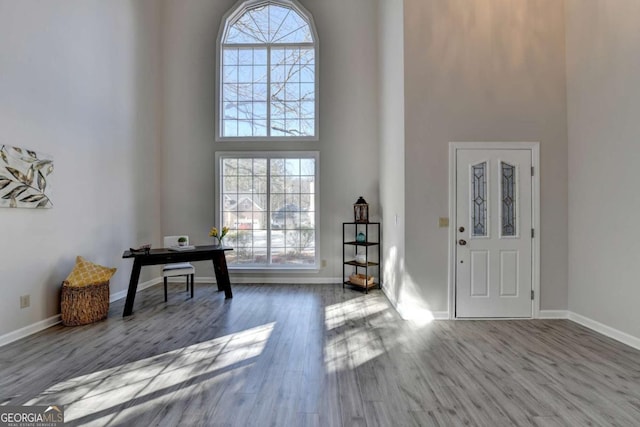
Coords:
462,242
461,229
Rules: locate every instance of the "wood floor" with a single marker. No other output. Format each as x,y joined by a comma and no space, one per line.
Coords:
313,355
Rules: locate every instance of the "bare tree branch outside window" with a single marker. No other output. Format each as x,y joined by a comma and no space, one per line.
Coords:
268,75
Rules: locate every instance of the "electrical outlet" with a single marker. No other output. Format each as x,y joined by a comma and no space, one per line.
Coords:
25,301
443,222
323,263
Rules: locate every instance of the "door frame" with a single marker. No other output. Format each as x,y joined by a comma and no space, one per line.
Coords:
535,203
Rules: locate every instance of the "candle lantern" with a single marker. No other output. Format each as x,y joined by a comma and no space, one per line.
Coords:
361,211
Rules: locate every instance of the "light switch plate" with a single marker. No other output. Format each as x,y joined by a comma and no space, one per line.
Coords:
443,222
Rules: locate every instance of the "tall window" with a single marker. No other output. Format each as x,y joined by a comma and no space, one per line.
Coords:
269,201
267,73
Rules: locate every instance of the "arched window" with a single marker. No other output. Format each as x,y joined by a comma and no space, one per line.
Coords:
268,66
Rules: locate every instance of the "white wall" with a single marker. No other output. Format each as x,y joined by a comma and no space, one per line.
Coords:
392,154
482,70
348,119
603,86
77,80
122,94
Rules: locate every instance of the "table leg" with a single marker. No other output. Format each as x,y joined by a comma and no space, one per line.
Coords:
133,287
222,274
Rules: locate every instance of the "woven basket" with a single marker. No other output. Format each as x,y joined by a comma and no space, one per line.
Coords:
361,280
84,305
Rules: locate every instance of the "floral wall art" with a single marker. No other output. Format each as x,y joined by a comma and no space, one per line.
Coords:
25,178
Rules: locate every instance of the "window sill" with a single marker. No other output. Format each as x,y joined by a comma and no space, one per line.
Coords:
265,139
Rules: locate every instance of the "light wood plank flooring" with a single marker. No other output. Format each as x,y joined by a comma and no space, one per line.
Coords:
313,355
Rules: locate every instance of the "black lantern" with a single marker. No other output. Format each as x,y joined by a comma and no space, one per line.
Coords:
361,211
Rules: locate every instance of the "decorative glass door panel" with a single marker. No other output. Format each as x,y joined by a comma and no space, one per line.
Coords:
509,190
479,200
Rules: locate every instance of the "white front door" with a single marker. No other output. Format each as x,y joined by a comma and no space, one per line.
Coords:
493,231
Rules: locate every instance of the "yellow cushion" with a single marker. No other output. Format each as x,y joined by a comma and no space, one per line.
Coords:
87,273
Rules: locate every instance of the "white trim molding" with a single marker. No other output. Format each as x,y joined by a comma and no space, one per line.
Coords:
415,314
535,189
440,315
605,330
259,280
272,280
54,320
553,314
141,287
29,330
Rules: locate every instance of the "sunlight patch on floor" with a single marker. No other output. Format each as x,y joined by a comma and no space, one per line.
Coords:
151,380
417,315
348,346
337,315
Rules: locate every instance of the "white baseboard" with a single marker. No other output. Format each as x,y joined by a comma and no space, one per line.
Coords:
553,314
390,299
54,320
417,315
141,286
312,280
436,315
241,280
29,330
608,331
596,326
440,315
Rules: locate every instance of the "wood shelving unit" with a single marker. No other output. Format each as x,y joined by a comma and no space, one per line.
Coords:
372,250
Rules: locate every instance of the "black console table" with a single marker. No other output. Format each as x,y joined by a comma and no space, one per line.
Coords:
167,256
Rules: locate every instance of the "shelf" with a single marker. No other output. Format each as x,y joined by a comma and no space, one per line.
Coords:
350,283
362,243
361,264
361,223
371,251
